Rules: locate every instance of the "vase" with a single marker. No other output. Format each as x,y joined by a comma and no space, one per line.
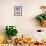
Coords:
9,41
43,23
13,38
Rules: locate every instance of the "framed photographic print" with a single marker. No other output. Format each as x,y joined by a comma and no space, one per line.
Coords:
17,10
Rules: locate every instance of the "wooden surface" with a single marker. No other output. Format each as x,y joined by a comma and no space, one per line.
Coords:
30,45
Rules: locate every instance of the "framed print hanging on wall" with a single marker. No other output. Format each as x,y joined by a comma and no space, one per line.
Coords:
17,10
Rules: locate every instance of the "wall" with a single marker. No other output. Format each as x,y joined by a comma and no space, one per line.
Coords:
26,24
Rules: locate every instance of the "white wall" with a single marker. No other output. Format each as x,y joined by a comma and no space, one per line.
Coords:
26,24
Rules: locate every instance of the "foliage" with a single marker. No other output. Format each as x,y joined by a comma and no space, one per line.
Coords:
11,31
41,17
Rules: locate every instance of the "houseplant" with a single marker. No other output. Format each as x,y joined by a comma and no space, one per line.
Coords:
10,31
42,17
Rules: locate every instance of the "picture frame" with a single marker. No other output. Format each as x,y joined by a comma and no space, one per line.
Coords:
17,10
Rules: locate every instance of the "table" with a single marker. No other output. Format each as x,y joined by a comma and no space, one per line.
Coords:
25,44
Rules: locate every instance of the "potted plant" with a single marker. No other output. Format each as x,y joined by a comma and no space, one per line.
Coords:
42,17
10,31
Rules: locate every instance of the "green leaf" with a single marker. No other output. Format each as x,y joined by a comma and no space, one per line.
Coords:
40,18
10,31
45,16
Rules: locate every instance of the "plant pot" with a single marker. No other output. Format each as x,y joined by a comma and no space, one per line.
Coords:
13,38
43,23
9,41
